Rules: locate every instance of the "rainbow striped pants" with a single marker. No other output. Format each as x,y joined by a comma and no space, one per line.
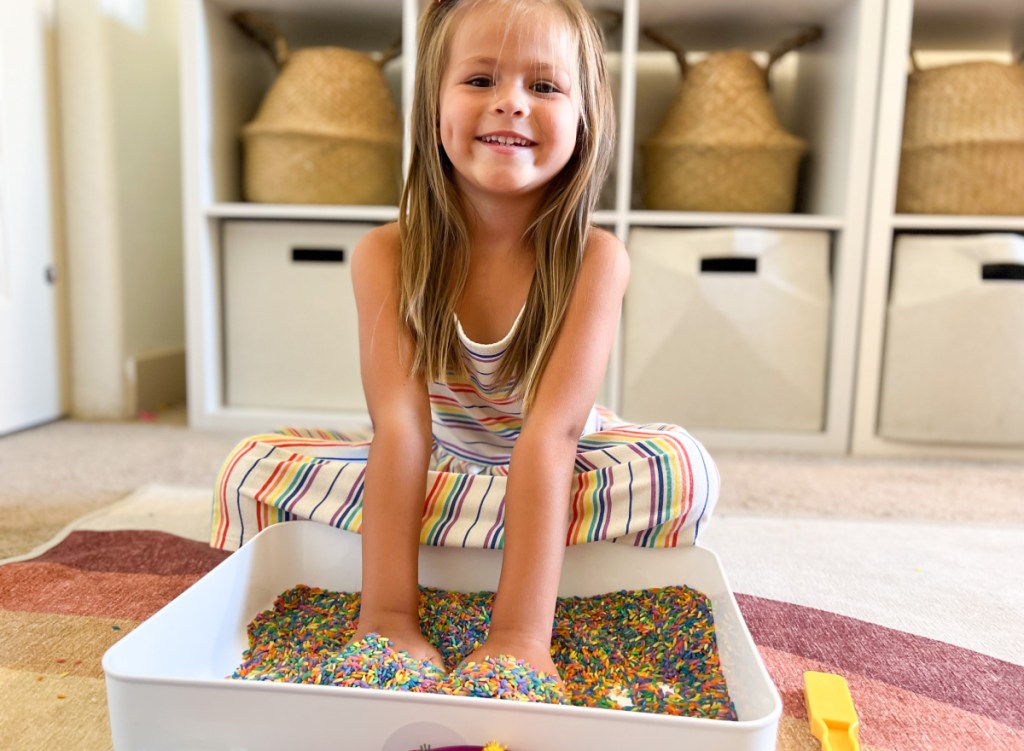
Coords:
648,485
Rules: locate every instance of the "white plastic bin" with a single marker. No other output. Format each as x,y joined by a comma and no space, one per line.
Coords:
290,330
954,348
166,685
727,328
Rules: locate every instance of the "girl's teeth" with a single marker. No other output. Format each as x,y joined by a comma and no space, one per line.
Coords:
505,141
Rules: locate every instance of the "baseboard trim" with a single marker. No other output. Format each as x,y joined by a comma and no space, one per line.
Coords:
156,380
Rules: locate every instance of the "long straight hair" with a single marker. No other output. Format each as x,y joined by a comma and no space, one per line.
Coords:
433,230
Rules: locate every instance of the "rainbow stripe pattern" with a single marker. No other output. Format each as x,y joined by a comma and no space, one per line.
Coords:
649,485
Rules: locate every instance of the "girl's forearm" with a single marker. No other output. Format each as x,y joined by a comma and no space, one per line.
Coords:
392,509
536,515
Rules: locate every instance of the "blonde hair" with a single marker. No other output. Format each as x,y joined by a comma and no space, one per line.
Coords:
433,231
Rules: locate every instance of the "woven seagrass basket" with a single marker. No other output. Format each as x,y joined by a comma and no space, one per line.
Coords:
326,132
720,146
963,140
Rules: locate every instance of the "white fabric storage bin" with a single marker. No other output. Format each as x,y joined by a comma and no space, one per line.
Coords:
727,328
290,330
954,349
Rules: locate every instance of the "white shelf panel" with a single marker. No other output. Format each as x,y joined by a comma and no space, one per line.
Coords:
939,223
607,218
274,211
725,219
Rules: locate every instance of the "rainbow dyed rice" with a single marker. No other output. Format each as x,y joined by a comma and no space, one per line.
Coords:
650,650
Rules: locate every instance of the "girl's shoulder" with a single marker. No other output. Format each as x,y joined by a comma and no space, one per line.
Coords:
375,260
603,241
377,250
604,255
379,241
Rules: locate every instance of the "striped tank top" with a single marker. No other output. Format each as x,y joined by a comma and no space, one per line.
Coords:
476,420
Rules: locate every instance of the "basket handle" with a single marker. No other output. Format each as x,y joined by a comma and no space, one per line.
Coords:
265,34
805,37
390,53
668,44
608,21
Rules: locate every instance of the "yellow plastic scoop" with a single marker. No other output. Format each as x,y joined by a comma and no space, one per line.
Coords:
831,712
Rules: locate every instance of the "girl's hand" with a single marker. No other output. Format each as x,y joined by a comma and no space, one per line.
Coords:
535,653
404,634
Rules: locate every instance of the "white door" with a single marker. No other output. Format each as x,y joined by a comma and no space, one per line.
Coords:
30,389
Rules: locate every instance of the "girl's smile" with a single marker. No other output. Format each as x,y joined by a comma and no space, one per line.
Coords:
509,105
506,142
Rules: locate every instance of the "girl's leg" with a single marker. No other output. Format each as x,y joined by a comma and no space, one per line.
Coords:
317,475
650,485
292,474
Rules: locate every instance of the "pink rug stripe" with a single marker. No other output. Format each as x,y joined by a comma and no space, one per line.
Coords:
892,717
55,588
943,672
134,552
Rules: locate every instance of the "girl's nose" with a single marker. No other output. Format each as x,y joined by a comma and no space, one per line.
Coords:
510,99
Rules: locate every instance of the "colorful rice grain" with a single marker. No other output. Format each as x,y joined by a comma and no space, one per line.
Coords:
643,651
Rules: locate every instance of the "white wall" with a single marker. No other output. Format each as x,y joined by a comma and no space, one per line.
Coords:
144,77
122,188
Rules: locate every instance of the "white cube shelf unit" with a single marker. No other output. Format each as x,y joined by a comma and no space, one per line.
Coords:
939,32
825,93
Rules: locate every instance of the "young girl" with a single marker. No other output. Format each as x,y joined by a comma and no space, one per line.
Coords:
486,319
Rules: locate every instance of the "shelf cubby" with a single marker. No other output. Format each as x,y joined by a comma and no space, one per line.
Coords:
938,32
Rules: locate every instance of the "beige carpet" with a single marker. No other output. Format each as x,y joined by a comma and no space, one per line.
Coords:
58,472
859,488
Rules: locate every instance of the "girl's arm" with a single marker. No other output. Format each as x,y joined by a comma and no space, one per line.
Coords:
541,471
397,467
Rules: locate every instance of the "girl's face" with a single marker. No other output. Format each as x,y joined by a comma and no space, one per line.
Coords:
509,105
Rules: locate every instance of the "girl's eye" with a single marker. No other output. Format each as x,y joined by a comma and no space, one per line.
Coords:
545,87
480,81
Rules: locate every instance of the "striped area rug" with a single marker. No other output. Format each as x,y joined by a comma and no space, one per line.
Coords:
62,608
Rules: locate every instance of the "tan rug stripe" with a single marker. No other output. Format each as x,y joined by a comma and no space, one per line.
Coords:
34,642
32,717
794,736
27,527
